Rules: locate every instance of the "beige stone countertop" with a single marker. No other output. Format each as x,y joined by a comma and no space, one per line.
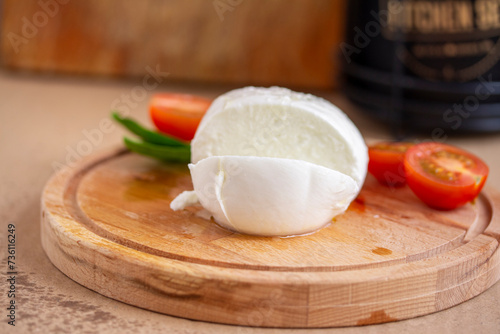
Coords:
43,118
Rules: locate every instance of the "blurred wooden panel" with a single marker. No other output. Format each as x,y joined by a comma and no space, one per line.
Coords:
262,42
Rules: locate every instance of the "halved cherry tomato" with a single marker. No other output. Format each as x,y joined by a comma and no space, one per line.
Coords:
386,162
443,176
178,115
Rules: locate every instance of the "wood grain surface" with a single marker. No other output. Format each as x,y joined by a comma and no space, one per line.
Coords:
106,224
259,42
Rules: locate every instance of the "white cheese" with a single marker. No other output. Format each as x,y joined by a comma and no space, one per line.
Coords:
269,161
270,196
277,122
186,198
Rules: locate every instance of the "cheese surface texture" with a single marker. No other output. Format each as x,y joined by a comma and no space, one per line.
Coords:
270,161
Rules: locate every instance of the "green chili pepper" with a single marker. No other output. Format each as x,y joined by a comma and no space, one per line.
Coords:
160,152
147,135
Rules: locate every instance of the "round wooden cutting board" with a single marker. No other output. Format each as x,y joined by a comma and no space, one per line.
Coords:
107,224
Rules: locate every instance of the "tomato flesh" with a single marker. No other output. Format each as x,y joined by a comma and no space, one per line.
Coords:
443,176
386,162
178,115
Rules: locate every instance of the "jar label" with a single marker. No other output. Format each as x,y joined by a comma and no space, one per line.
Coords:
444,40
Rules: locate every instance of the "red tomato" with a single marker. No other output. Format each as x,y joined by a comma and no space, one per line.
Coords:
386,162
443,176
178,115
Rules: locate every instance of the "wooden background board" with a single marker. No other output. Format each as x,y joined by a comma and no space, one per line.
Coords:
259,42
106,223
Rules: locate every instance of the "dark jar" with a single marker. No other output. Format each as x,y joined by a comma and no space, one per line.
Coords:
425,65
